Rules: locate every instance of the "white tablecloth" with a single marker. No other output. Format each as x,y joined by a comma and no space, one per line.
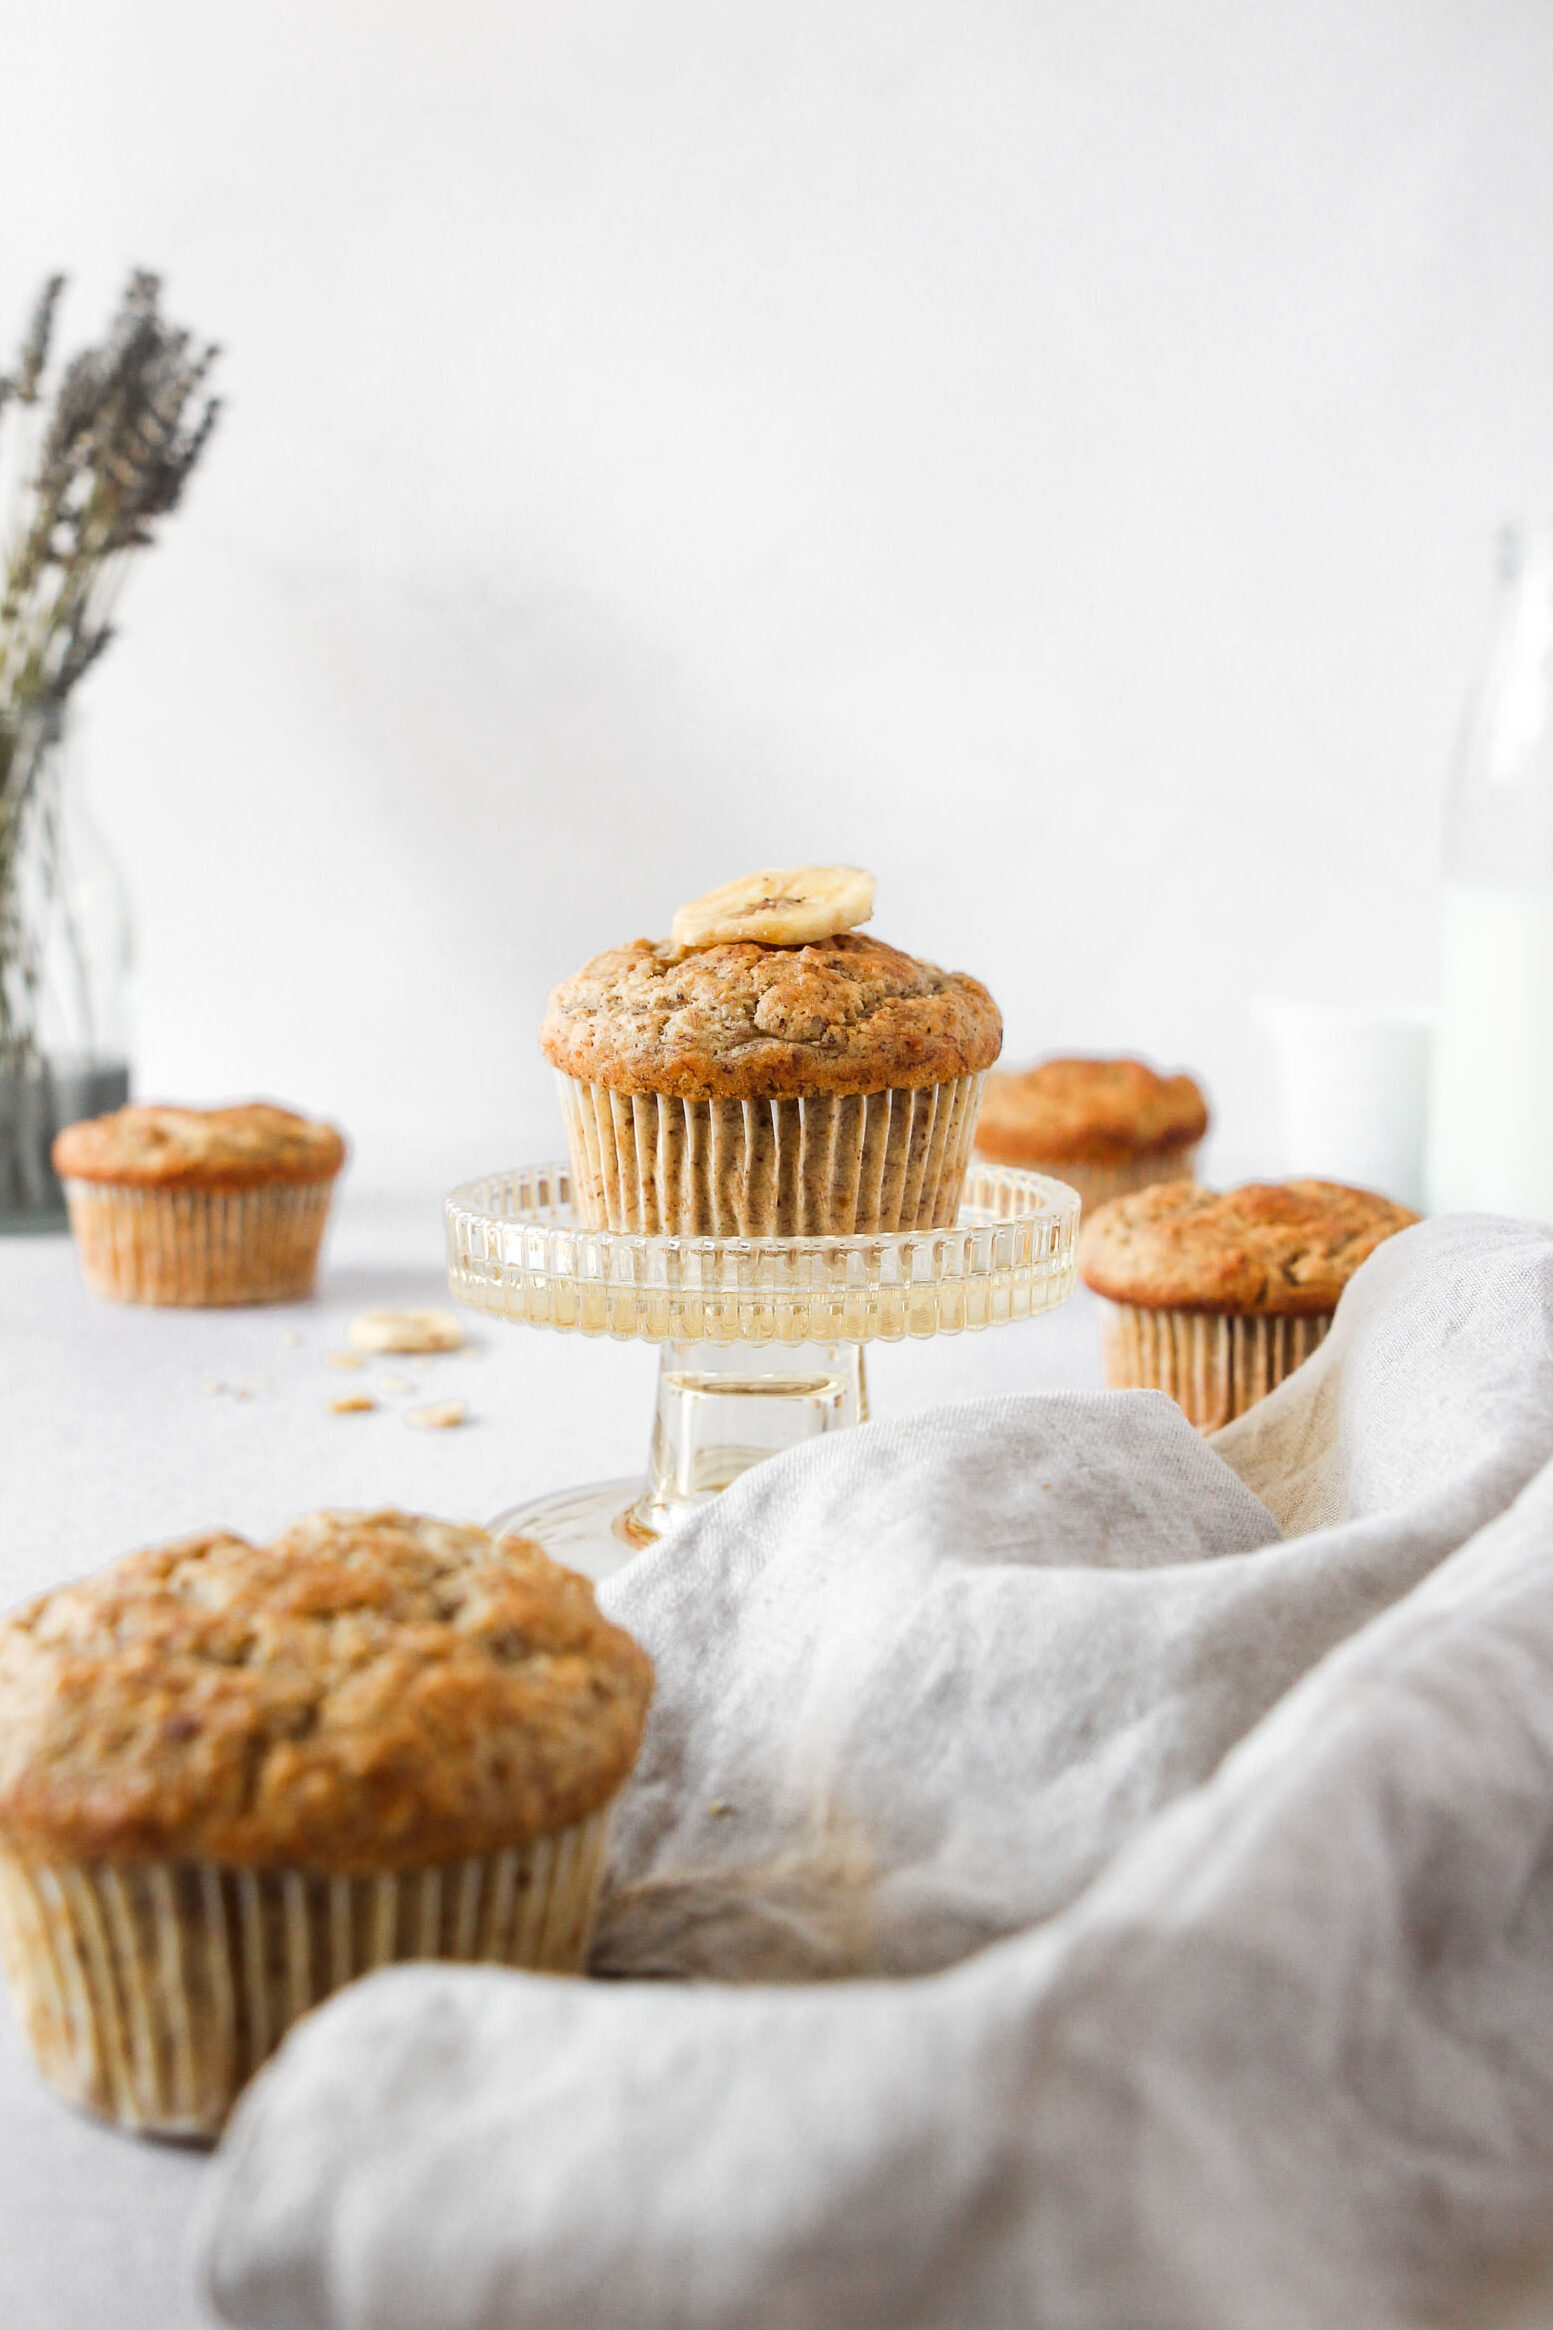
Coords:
111,1436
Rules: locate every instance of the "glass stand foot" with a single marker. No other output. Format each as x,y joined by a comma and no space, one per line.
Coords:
589,1528
721,1408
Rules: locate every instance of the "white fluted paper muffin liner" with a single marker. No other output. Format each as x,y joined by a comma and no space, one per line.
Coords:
199,1247
838,1166
1213,1365
151,1992
1098,1183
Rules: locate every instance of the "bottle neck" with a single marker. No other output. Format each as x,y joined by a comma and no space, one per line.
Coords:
1499,825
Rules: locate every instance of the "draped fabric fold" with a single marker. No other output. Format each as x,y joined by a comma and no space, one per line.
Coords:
1089,1878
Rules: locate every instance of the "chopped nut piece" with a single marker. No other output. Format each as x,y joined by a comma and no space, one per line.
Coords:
406,1331
292,1339
441,1418
213,1385
354,1404
395,1383
343,1359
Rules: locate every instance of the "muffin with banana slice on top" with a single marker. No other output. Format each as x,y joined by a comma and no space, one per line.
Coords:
769,1069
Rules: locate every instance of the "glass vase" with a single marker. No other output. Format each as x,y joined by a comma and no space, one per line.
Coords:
65,995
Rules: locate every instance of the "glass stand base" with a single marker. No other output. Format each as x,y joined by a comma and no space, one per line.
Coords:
589,1528
721,1408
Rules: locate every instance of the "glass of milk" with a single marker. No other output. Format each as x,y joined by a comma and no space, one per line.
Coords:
1490,1130
1352,1086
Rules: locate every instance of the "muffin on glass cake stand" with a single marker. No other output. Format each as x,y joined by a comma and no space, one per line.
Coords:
770,1119
770,1071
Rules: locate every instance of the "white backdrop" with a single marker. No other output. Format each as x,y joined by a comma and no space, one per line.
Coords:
1048,455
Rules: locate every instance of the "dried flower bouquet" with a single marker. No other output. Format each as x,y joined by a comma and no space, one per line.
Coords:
83,483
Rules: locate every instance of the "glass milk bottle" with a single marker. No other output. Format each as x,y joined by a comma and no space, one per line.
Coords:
1490,1143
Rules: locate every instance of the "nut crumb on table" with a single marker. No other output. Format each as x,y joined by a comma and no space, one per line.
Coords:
417,1330
440,1418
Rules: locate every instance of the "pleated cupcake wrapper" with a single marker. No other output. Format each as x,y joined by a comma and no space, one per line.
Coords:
151,1992
1098,1183
1213,1366
199,1246
851,1164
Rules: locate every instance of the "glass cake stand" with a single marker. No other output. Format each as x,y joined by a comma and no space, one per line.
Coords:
760,1339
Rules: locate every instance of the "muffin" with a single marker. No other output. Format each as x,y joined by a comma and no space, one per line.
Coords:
770,1071
233,1777
199,1205
1217,1297
1102,1126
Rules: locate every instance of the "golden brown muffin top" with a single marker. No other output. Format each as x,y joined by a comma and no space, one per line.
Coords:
199,1148
1273,1246
744,1022
1086,1112
372,1691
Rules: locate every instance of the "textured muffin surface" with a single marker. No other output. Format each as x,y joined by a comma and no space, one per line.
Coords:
199,1148
1272,1247
1086,1112
369,1692
739,1022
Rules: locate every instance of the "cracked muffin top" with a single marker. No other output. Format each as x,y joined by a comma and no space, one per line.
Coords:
1273,1246
1086,1112
199,1148
372,1691
741,1021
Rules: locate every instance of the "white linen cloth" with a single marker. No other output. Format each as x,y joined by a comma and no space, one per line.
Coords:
1219,1866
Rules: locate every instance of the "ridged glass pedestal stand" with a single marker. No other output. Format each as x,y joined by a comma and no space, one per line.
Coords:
760,1339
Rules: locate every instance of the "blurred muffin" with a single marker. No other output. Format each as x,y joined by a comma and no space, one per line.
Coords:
1217,1297
199,1205
233,1777
1102,1126
770,1071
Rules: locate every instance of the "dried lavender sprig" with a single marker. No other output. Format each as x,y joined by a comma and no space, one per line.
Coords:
22,384
126,430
